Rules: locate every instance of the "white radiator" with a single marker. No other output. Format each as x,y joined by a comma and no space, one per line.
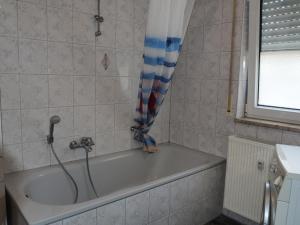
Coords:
245,179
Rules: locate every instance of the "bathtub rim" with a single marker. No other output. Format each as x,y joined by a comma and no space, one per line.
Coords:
38,214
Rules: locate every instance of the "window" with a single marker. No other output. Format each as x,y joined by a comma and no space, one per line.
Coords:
274,60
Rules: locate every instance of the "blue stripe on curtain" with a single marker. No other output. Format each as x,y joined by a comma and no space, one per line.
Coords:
154,61
158,61
154,76
170,45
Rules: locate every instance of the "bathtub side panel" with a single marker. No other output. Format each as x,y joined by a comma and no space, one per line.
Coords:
14,217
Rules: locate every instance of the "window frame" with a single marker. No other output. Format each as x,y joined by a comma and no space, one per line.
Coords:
253,110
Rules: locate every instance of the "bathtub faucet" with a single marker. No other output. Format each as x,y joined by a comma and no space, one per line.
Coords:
85,142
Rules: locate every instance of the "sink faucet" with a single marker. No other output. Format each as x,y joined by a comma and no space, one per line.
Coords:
84,142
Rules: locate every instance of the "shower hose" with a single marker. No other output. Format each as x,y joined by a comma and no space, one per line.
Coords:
67,173
88,171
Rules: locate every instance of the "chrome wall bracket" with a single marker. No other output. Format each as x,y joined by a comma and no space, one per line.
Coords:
99,19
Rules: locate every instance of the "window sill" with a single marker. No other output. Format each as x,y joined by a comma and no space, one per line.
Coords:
269,124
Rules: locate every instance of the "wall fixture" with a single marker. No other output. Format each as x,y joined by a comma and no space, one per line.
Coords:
105,61
99,19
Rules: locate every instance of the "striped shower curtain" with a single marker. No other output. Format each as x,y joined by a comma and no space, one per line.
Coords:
166,27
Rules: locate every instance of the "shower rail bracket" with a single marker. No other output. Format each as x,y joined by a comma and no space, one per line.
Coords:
99,19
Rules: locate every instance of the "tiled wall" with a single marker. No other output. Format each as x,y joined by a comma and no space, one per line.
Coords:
196,199
51,63
199,117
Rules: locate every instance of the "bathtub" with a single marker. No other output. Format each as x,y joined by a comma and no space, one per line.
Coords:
174,186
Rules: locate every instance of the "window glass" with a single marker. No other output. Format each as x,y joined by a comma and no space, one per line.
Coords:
279,68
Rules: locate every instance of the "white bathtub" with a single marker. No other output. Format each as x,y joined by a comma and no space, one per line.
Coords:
43,196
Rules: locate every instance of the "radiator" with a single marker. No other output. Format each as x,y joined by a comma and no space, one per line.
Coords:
246,173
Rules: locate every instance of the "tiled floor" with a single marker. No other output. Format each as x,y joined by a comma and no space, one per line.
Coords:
222,220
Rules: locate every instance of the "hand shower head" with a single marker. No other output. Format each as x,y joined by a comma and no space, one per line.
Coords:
53,120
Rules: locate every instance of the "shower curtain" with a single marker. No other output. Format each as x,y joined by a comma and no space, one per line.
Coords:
166,27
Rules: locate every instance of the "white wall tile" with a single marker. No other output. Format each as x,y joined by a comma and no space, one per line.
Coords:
89,6
176,133
84,90
124,35
207,141
11,127
212,38
269,135
60,58
84,59
60,91
35,124
35,154
141,11
290,138
60,3
109,8
33,56
8,55
195,39
112,214
105,143
124,62
191,114
194,66
105,90
10,92
225,122
178,194
197,17
108,28
56,223
125,9
59,24
122,140
182,216
137,208
13,156
34,91
221,146
123,113
105,118
8,17
209,92
32,21
84,27
86,218
123,90
84,120
211,65
139,36
244,130
213,11
159,202
177,90
192,90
